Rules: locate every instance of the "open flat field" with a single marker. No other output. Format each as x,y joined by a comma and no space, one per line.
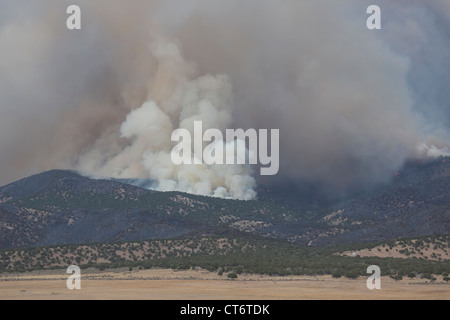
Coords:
203,285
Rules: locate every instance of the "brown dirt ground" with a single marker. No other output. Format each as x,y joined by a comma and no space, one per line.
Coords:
161,284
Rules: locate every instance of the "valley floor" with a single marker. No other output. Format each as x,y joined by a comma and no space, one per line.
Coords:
162,284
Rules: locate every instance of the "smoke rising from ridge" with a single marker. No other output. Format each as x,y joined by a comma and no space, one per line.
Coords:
351,104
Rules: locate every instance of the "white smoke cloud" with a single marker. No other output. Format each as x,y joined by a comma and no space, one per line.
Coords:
431,151
187,97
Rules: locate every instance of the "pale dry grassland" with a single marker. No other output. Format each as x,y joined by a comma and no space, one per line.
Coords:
163,284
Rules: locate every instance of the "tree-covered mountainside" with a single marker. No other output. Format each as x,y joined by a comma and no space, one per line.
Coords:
63,207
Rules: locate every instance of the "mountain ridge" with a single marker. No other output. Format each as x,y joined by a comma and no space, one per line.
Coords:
63,207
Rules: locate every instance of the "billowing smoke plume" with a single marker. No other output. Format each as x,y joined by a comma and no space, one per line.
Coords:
351,104
177,98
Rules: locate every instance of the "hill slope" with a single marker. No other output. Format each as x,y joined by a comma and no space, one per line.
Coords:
63,207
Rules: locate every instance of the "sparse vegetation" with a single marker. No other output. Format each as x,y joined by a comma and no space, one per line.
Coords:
223,255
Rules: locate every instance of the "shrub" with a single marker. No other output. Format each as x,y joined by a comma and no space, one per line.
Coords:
232,275
351,275
396,277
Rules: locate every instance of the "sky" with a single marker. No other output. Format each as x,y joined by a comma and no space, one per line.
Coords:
352,104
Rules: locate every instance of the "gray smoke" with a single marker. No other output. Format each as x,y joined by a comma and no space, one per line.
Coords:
351,104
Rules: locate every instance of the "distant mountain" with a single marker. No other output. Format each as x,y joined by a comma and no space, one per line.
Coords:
416,203
63,207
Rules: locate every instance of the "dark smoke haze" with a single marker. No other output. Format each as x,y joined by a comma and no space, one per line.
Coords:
352,105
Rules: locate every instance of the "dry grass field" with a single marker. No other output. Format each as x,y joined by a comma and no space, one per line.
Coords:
161,284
